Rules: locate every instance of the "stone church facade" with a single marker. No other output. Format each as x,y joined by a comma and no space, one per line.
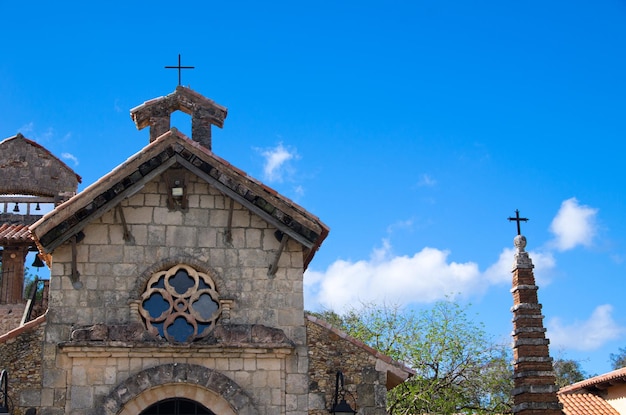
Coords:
177,287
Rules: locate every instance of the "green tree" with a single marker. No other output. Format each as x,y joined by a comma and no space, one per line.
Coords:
567,371
618,360
458,368
31,282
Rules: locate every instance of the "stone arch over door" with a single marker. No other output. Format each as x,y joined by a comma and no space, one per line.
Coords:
206,386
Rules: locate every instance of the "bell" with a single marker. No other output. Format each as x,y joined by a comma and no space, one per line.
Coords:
37,207
37,263
16,208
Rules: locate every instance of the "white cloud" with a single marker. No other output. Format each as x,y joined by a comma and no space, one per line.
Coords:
587,335
425,277
276,162
429,275
70,157
31,132
26,129
500,271
402,224
298,191
426,181
573,225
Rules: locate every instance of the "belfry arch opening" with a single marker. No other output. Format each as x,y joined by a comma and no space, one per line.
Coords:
181,121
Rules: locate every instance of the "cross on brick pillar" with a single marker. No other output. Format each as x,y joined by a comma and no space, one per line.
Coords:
535,387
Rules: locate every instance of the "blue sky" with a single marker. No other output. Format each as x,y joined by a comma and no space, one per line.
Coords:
412,128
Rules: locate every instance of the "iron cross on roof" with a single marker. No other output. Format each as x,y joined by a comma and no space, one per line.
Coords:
179,67
518,220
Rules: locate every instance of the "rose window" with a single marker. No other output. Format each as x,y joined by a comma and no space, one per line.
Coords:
180,304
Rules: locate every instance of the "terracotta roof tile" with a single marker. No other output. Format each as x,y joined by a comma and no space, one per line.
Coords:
585,404
591,383
14,233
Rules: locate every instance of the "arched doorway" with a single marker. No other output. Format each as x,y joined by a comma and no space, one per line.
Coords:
177,406
212,391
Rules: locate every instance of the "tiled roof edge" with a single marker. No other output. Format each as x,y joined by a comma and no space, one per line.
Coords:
27,326
615,374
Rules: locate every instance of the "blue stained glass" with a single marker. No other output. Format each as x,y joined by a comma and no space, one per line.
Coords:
181,281
205,306
203,285
203,326
156,305
159,284
180,330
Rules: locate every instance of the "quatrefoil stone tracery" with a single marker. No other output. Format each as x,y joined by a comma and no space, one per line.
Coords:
180,304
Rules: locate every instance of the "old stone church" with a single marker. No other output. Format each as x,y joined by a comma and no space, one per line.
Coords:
176,287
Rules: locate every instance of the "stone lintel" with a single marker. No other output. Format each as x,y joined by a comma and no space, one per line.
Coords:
525,316
525,306
523,261
170,352
531,342
535,374
528,330
524,287
535,389
538,359
537,406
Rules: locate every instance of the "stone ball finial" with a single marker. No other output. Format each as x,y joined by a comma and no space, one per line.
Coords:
520,243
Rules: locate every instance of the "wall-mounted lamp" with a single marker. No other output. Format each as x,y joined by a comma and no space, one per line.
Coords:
177,187
341,407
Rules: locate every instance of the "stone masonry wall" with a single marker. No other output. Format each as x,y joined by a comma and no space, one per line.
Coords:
113,274
20,356
10,316
27,168
330,351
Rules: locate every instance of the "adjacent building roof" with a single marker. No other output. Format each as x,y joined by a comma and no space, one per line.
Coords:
585,404
173,147
28,168
397,372
585,397
597,383
14,234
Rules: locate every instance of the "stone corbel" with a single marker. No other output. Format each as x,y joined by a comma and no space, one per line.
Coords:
127,236
228,234
226,304
283,242
75,275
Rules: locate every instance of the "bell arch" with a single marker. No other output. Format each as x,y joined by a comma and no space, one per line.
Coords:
206,386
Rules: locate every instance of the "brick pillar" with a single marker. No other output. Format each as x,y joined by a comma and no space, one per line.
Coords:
12,284
159,123
535,383
201,121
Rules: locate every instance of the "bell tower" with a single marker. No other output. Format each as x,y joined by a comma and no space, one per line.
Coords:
535,387
31,179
